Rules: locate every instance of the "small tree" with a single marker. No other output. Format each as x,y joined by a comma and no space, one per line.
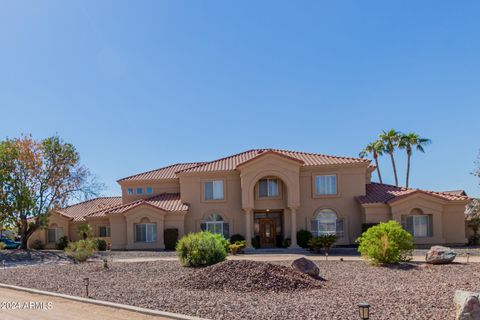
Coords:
85,231
202,249
36,177
473,220
386,243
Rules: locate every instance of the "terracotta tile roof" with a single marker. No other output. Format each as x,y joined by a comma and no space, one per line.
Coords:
307,159
384,193
79,211
456,192
161,173
166,201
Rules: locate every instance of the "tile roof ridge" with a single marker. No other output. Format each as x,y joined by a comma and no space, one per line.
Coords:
89,200
322,154
161,168
220,159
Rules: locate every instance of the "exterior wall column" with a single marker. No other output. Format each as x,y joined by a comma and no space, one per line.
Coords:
248,227
293,227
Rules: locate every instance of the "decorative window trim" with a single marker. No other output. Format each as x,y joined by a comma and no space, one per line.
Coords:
269,197
203,190
108,231
150,236
58,234
336,227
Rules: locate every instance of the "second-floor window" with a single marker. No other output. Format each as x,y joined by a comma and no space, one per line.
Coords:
213,190
268,188
149,190
139,190
326,184
130,191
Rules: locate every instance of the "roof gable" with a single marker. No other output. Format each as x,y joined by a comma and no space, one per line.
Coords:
167,202
79,211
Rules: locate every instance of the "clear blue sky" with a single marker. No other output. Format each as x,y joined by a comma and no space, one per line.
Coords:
142,84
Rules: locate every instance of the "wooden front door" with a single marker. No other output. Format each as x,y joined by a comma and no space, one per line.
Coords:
267,233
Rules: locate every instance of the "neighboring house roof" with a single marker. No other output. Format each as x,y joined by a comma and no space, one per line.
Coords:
307,159
161,173
166,202
384,193
79,211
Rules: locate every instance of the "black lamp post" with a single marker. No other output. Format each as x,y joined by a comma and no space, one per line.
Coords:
364,311
86,281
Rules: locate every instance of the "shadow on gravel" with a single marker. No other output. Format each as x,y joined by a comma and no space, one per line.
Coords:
29,256
405,266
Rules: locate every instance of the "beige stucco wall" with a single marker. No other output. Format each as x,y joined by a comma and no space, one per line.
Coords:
118,230
454,222
41,234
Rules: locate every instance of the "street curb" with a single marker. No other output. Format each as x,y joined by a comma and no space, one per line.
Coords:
146,311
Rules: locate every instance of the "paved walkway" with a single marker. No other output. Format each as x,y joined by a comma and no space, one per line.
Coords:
58,308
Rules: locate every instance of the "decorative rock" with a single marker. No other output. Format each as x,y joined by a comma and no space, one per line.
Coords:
467,305
306,266
440,255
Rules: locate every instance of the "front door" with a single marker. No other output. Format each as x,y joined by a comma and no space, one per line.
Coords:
267,233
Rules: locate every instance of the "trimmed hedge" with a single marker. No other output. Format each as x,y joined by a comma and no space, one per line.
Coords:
303,236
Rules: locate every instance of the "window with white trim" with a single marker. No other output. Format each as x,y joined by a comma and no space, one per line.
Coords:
54,234
326,184
420,226
213,190
104,231
215,224
268,188
325,222
146,232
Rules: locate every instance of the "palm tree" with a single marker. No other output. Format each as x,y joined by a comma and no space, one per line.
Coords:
375,149
407,142
390,140
85,231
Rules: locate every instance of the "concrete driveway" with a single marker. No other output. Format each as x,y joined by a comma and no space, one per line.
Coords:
16,305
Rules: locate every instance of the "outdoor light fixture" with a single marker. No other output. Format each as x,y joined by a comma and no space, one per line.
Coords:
468,256
364,311
105,263
86,281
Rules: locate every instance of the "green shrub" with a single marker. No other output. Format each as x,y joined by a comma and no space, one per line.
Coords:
202,249
170,237
37,244
303,236
322,242
81,250
236,237
386,243
2,245
237,247
62,243
100,244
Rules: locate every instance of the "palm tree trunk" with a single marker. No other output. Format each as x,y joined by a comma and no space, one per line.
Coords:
394,168
408,168
378,170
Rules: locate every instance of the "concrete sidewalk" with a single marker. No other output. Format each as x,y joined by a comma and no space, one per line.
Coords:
19,305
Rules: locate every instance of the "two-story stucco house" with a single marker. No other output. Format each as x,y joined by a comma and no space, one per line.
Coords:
265,194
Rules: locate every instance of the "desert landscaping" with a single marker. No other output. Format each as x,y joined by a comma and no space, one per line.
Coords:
259,290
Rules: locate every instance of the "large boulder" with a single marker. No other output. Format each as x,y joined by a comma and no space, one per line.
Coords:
306,266
467,305
440,255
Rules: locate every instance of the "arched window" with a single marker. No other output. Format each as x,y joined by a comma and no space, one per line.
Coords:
215,224
325,222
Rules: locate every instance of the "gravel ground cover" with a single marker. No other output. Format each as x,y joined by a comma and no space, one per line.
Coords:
248,276
19,258
412,291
